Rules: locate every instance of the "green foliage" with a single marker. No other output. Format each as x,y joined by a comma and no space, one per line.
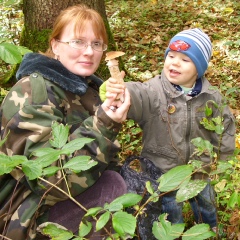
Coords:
123,223
11,53
164,230
45,157
57,233
10,2
130,139
174,177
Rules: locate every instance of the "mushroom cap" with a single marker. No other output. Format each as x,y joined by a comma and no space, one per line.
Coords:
113,54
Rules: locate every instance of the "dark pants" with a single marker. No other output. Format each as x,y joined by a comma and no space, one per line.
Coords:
66,213
203,206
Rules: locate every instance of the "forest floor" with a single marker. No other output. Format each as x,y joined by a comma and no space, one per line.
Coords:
142,29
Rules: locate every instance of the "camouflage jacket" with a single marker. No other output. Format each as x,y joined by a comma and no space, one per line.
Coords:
47,92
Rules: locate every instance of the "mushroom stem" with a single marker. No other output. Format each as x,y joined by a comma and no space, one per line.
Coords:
114,69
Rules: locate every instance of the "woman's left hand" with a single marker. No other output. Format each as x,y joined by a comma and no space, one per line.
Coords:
117,110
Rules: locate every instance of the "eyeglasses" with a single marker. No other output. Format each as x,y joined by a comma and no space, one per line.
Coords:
179,45
80,44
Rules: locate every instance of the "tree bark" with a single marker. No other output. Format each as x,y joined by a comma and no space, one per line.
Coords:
40,14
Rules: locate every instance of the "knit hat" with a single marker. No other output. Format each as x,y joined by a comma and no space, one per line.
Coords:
196,45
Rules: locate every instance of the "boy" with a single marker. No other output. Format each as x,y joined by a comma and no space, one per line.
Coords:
169,109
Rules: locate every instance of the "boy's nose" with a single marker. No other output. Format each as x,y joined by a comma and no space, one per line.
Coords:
175,61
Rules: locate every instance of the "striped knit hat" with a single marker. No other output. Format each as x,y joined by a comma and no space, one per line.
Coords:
196,45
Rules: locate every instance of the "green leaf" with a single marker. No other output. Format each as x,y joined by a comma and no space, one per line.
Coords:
127,200
50,171
18,159
233,200
84,228
43,151
47,160
219,129
57,233
198,232
23,50
102,221
59,135
149,187
175,177
154,197
164,229
202,146
207,124
196,164
7,163
208,111
32,169
222,166
113,207
93,211
80,163
193,188
232,89
124,223
77,144
9,53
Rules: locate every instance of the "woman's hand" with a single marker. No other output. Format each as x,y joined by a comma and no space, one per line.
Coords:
117,110
113,87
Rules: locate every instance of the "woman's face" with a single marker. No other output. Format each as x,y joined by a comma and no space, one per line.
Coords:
83,62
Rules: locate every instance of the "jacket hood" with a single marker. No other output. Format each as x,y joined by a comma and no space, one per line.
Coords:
54,71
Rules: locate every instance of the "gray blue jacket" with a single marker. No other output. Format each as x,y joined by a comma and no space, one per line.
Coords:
170,120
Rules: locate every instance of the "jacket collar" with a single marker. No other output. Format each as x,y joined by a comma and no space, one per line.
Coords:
54,71
203,86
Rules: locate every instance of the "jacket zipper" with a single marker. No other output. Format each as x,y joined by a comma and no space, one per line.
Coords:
188,130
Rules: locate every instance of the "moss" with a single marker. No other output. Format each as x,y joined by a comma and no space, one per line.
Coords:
35,40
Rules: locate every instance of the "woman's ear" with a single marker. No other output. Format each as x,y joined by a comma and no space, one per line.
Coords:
54,45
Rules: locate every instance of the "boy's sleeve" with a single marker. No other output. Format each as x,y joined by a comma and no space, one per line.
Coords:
102,91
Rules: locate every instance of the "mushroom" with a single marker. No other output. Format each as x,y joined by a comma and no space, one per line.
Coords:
113,67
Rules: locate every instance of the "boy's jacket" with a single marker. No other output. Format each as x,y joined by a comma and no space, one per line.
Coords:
170,120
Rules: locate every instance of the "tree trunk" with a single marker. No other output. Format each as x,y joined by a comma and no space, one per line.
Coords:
39,16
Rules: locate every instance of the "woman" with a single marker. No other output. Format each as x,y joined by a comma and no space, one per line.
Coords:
60,86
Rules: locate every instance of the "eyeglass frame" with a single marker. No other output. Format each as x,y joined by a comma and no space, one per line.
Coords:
105,46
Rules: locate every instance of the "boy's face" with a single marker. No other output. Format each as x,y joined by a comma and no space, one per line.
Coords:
180,69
